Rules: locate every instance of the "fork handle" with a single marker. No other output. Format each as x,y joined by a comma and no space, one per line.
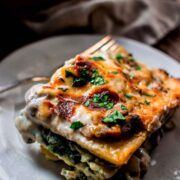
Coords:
11,85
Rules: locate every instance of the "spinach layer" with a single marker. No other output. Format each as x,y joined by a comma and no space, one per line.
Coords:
60,145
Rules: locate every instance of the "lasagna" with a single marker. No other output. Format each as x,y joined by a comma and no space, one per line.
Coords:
101,113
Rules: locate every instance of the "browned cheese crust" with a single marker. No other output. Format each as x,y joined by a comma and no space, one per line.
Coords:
117,100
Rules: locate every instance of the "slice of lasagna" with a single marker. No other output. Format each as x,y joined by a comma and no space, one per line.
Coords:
101,114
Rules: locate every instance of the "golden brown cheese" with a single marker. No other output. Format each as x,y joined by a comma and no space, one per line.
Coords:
92,89
144,92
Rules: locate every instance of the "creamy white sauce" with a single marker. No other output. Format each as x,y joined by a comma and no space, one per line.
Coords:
25,127
81,114
34,103
32,92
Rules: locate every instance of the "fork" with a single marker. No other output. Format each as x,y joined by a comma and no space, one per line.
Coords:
104,44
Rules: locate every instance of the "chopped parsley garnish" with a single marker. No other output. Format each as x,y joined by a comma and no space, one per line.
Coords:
138,67
82,79
107,105
148,94
114,72
131,76
129,96
124,108
118,57
84,72
97,58
130,58
114,118
68,73
147,102
87,103
97,79
76,125
100,100
79,81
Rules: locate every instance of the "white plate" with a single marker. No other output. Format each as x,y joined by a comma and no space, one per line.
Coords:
19,161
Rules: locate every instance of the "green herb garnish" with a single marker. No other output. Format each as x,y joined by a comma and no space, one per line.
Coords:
108,105
96,98
138,67
114,72
114,118
102,101
100,98
68,73
84,72
147,102
130,58
124,108
148,94
79,81
129,96
76,125
118,57
87,103
131,76
97,79
97,58
82,79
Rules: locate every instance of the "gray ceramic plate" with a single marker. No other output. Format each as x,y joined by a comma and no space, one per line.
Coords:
20,161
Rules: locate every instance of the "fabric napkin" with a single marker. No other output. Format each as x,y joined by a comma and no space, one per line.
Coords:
144,20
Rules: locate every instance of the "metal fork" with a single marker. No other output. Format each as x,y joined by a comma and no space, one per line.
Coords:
103,45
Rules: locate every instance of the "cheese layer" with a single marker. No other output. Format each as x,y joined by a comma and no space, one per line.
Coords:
116,101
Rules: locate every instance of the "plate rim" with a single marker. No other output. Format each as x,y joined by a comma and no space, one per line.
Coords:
143,45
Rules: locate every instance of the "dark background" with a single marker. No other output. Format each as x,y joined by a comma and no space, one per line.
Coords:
14,34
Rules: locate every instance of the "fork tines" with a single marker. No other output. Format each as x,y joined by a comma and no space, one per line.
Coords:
103,45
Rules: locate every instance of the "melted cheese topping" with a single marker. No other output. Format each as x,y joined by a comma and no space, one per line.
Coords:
151,90
83,115
145,93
